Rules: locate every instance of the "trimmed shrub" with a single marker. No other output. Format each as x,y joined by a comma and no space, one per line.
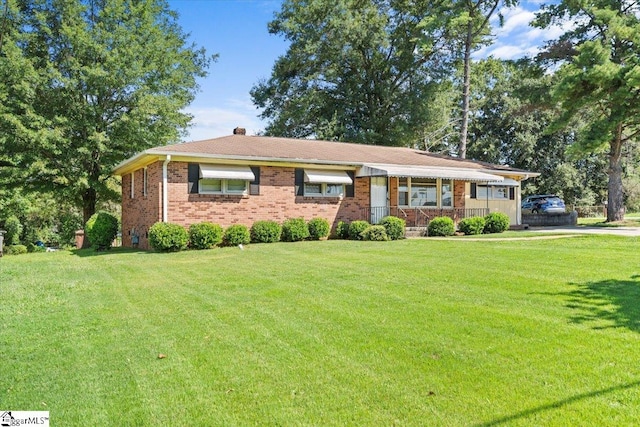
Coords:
168,237
294,230
441,226
375,233
35,248
356,228
101,229
237,234
15,249
471,226
342,230
318,228
204,235
496,222
394,227
265,232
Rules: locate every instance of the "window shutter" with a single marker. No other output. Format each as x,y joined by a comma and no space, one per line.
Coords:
512,193
474,190
194,177
299,182
350,190
254,186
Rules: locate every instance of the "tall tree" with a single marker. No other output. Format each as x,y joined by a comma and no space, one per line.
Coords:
466,24
355,70
113,78
599,79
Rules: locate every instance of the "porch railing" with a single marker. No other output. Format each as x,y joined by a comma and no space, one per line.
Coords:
418,216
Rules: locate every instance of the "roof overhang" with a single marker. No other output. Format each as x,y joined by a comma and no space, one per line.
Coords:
428,172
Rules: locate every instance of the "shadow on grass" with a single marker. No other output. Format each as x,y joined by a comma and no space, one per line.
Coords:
84,253
558,404
607,304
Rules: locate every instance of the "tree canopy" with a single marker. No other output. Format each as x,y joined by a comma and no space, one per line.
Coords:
88,84
598,80
355,70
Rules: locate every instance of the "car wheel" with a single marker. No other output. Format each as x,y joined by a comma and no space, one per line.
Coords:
534,211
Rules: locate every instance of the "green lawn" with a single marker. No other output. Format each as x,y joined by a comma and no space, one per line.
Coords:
415,332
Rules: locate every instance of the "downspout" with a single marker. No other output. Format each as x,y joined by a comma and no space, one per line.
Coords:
165,190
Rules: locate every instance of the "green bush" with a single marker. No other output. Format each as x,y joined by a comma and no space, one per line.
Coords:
472,226
237,234
265,232
101,229
15,249
441,226
375,233
168,237
35,248
356,228
496,222
294,230
394,227
13,229
204,235
342,230
319,228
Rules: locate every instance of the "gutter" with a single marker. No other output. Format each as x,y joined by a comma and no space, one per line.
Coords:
165,190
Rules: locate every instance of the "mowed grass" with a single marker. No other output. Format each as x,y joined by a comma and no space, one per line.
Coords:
414,332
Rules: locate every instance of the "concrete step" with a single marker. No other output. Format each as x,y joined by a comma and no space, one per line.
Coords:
415,231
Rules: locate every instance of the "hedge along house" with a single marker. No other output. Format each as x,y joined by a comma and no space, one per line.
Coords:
240,179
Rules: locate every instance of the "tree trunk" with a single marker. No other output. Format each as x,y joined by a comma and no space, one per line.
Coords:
89,198
615,199
466,85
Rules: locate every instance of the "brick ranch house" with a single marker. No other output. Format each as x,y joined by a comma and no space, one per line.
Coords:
240,179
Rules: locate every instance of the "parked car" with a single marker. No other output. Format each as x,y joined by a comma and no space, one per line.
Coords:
543,203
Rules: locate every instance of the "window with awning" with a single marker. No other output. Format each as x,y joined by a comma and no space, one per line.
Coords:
224,179
325,183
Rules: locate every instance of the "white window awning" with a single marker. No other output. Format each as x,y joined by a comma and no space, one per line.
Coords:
428,172
327,177
506,182
226,172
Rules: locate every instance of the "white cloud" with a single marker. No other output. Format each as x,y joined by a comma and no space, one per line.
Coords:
213,122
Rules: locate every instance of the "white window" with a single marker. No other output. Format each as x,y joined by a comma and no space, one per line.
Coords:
492,192
425,192
223,186
133,185
323,189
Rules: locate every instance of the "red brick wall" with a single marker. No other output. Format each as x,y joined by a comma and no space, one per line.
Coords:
141,212
277,201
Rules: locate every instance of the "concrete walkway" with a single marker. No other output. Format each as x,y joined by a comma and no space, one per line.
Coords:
616,231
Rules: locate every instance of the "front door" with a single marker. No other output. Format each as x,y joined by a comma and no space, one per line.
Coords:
379,207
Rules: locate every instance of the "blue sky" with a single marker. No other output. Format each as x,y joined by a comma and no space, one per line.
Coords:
237,31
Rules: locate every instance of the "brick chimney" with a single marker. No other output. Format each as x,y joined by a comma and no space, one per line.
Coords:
239,131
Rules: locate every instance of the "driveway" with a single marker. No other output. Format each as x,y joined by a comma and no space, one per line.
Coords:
615,231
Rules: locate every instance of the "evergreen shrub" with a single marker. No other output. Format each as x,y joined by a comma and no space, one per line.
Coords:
237,234
441,226
101,230
472,226
265,232
393,226
168,237
496,222
204,235
295,230
319,228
